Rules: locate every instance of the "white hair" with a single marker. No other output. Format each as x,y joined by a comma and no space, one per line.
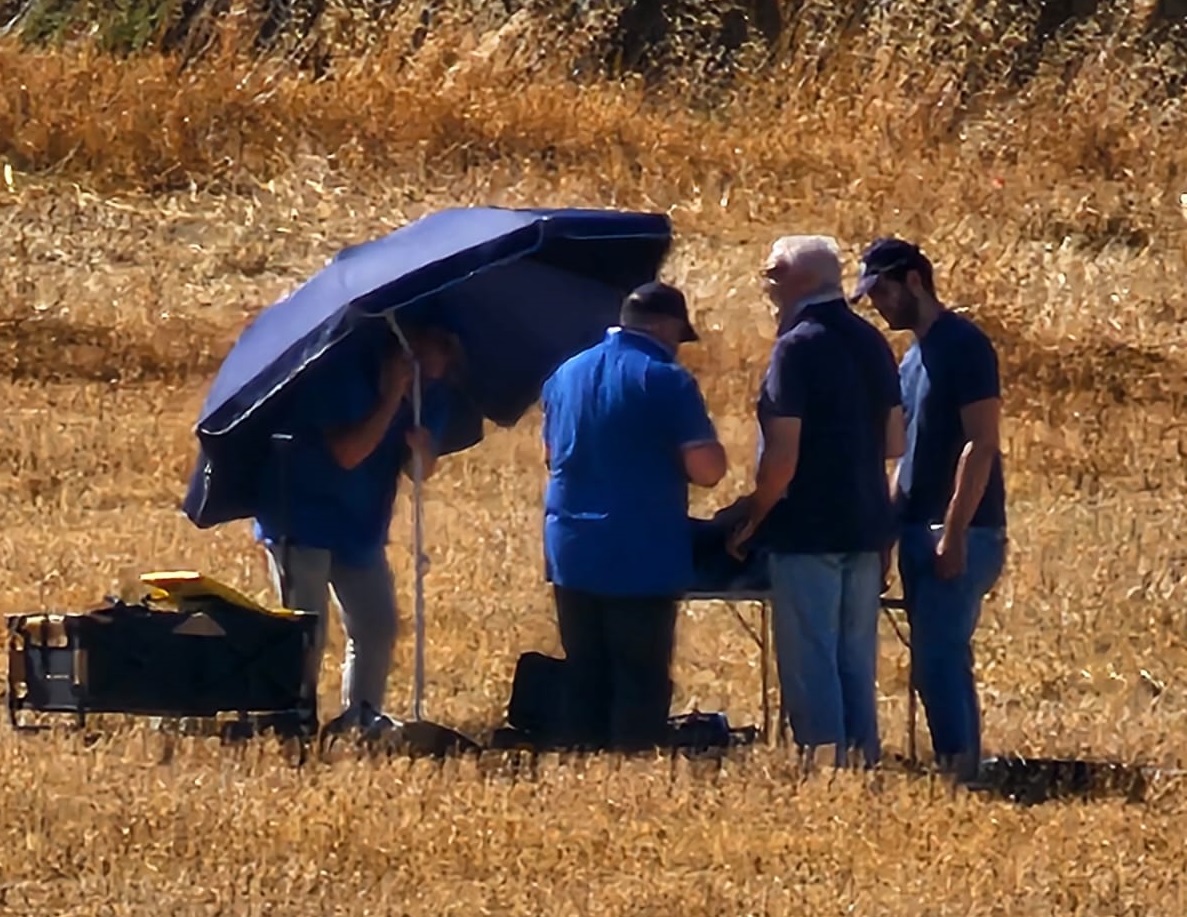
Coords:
819,256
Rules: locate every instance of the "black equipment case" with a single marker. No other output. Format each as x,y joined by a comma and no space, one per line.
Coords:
193,647
536,713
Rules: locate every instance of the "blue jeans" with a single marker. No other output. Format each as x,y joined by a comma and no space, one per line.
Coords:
943,615
826,643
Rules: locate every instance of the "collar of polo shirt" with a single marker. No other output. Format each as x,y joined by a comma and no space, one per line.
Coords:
828,294
639,333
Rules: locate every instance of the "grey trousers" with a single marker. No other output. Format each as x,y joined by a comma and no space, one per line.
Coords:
367,599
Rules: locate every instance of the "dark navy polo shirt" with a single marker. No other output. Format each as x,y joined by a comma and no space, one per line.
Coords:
616,506
834,371
347,512
954,365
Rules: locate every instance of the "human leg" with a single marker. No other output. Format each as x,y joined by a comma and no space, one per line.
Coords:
368,600
806,606
303,584
857,654
587,667
640,637
943,615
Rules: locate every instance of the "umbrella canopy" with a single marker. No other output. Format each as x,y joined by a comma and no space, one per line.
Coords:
522,289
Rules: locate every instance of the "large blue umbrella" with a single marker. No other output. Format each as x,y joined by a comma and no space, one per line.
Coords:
522,289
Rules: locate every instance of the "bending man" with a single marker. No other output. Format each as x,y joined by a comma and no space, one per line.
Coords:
625,432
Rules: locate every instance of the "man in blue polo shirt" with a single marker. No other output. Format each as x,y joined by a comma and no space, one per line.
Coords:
625,432
332,495
830,416
949,490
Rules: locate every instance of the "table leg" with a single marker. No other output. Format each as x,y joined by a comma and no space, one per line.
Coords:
765,649
912,701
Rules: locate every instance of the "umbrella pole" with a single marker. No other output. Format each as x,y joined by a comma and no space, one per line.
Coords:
418,683
418,733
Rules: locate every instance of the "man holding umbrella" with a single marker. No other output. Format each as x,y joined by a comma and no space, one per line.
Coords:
326,515
625,432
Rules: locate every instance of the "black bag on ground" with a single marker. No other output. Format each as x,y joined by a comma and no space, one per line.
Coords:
536,713
698,730
538,697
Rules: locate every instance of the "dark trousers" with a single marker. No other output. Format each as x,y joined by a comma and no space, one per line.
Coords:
618,653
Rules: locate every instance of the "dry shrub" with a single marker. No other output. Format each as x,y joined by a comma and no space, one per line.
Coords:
158,202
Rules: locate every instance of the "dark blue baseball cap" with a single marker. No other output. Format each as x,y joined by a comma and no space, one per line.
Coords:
888,255
659,300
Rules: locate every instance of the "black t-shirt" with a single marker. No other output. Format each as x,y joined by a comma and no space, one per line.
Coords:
834,371
954,365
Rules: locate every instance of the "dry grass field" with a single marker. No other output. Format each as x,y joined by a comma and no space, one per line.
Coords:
149,210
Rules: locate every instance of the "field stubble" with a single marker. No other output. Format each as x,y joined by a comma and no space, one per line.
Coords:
152,213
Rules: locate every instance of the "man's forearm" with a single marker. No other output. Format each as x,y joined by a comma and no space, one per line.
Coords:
774,474
428,466
352,445
972,476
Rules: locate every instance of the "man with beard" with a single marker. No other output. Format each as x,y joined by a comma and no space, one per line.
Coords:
948,488
829,418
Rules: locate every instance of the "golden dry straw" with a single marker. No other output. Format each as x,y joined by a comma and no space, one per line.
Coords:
151,205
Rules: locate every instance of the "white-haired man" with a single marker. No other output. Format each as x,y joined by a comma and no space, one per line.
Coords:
830,416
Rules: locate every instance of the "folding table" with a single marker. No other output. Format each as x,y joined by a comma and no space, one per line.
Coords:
762,638
765,642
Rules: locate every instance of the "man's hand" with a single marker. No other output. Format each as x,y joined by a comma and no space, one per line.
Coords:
420,441
739,536
395,377
776,469
351,445
980,422
950,554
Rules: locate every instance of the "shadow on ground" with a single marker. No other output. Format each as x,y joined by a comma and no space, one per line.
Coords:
1022,780
1032,781
45,348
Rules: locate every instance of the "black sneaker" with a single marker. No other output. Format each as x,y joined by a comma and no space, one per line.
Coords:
374,723
348,719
